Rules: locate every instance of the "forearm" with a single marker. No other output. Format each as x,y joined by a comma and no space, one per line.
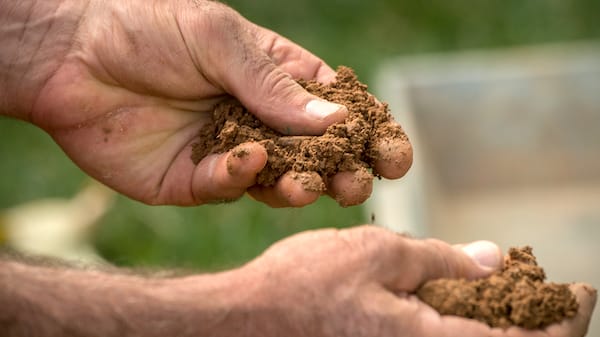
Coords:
35,36
50,301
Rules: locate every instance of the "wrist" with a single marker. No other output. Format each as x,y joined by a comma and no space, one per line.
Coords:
221,304
36,36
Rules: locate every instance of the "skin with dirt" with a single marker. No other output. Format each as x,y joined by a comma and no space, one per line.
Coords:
354,145
514,296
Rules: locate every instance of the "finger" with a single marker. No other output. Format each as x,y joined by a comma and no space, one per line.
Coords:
395,157
433,259
351,188
293,189
578,325
278,101
223,177
404,264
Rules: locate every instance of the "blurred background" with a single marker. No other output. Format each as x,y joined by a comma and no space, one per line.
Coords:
500,98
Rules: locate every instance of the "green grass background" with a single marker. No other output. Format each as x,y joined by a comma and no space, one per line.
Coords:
357,33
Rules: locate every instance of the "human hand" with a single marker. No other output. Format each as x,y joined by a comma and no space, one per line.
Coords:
140,78
352,282
361,282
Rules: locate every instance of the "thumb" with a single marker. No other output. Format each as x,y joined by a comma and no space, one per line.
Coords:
418,261
271,94
233,54
280,102
487,255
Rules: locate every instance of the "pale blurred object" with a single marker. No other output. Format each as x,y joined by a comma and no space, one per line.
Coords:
507,148
60,228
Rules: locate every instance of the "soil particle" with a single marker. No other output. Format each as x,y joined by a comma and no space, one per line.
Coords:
515,295
352,145
240,153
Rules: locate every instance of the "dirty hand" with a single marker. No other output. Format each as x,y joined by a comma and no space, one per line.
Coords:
124,86
328,283
361,282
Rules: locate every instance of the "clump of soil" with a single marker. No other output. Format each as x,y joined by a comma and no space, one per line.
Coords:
353,145
513,296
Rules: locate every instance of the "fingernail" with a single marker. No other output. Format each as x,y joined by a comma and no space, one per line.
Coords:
321,109
485,253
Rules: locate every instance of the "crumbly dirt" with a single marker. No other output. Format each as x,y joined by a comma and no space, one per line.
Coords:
348,146
515,296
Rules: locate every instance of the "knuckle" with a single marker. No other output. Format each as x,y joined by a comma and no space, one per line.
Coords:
261,68
272,79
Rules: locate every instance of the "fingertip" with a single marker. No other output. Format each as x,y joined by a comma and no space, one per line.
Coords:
297,189
226,176
394,157
293,189
246,160
351,188
586,296
438,259
486,254
324,113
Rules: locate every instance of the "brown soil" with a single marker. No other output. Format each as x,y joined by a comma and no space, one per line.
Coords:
516,295
349,146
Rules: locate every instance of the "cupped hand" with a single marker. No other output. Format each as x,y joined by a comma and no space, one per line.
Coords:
361,282
140,79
